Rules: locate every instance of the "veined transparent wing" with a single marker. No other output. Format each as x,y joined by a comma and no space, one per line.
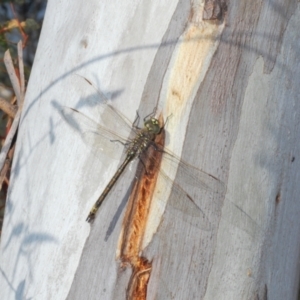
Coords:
96,136
187,188
110,117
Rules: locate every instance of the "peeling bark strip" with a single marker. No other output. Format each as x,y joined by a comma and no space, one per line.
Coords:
214,9
137,286
135,221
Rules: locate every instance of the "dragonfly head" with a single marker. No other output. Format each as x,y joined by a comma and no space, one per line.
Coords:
153,126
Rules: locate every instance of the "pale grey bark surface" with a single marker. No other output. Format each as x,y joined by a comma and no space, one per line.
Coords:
232,89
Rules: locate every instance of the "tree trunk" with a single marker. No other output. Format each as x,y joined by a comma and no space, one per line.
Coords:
229,85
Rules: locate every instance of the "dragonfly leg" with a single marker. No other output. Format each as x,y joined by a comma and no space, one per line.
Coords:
151,114
118,141
167,120
136,121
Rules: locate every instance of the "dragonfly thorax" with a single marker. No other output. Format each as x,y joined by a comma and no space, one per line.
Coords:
144,138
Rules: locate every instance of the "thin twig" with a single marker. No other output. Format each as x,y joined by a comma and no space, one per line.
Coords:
6,167
23,34
9,139
8,108
12,76
21,71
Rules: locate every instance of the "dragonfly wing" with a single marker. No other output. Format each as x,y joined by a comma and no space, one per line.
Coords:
107,116
95,136
189,176
110,117
184,202
187,189
193,213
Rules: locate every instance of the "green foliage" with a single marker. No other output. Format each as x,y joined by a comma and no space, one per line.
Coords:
31,25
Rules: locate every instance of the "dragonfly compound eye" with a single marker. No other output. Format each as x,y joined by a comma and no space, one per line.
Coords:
153,126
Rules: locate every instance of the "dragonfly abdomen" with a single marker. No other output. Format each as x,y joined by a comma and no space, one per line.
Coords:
109,186
136,147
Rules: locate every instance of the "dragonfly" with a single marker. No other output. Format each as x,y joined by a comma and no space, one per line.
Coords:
104,134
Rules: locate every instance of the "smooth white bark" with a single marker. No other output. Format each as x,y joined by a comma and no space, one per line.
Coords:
234,100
